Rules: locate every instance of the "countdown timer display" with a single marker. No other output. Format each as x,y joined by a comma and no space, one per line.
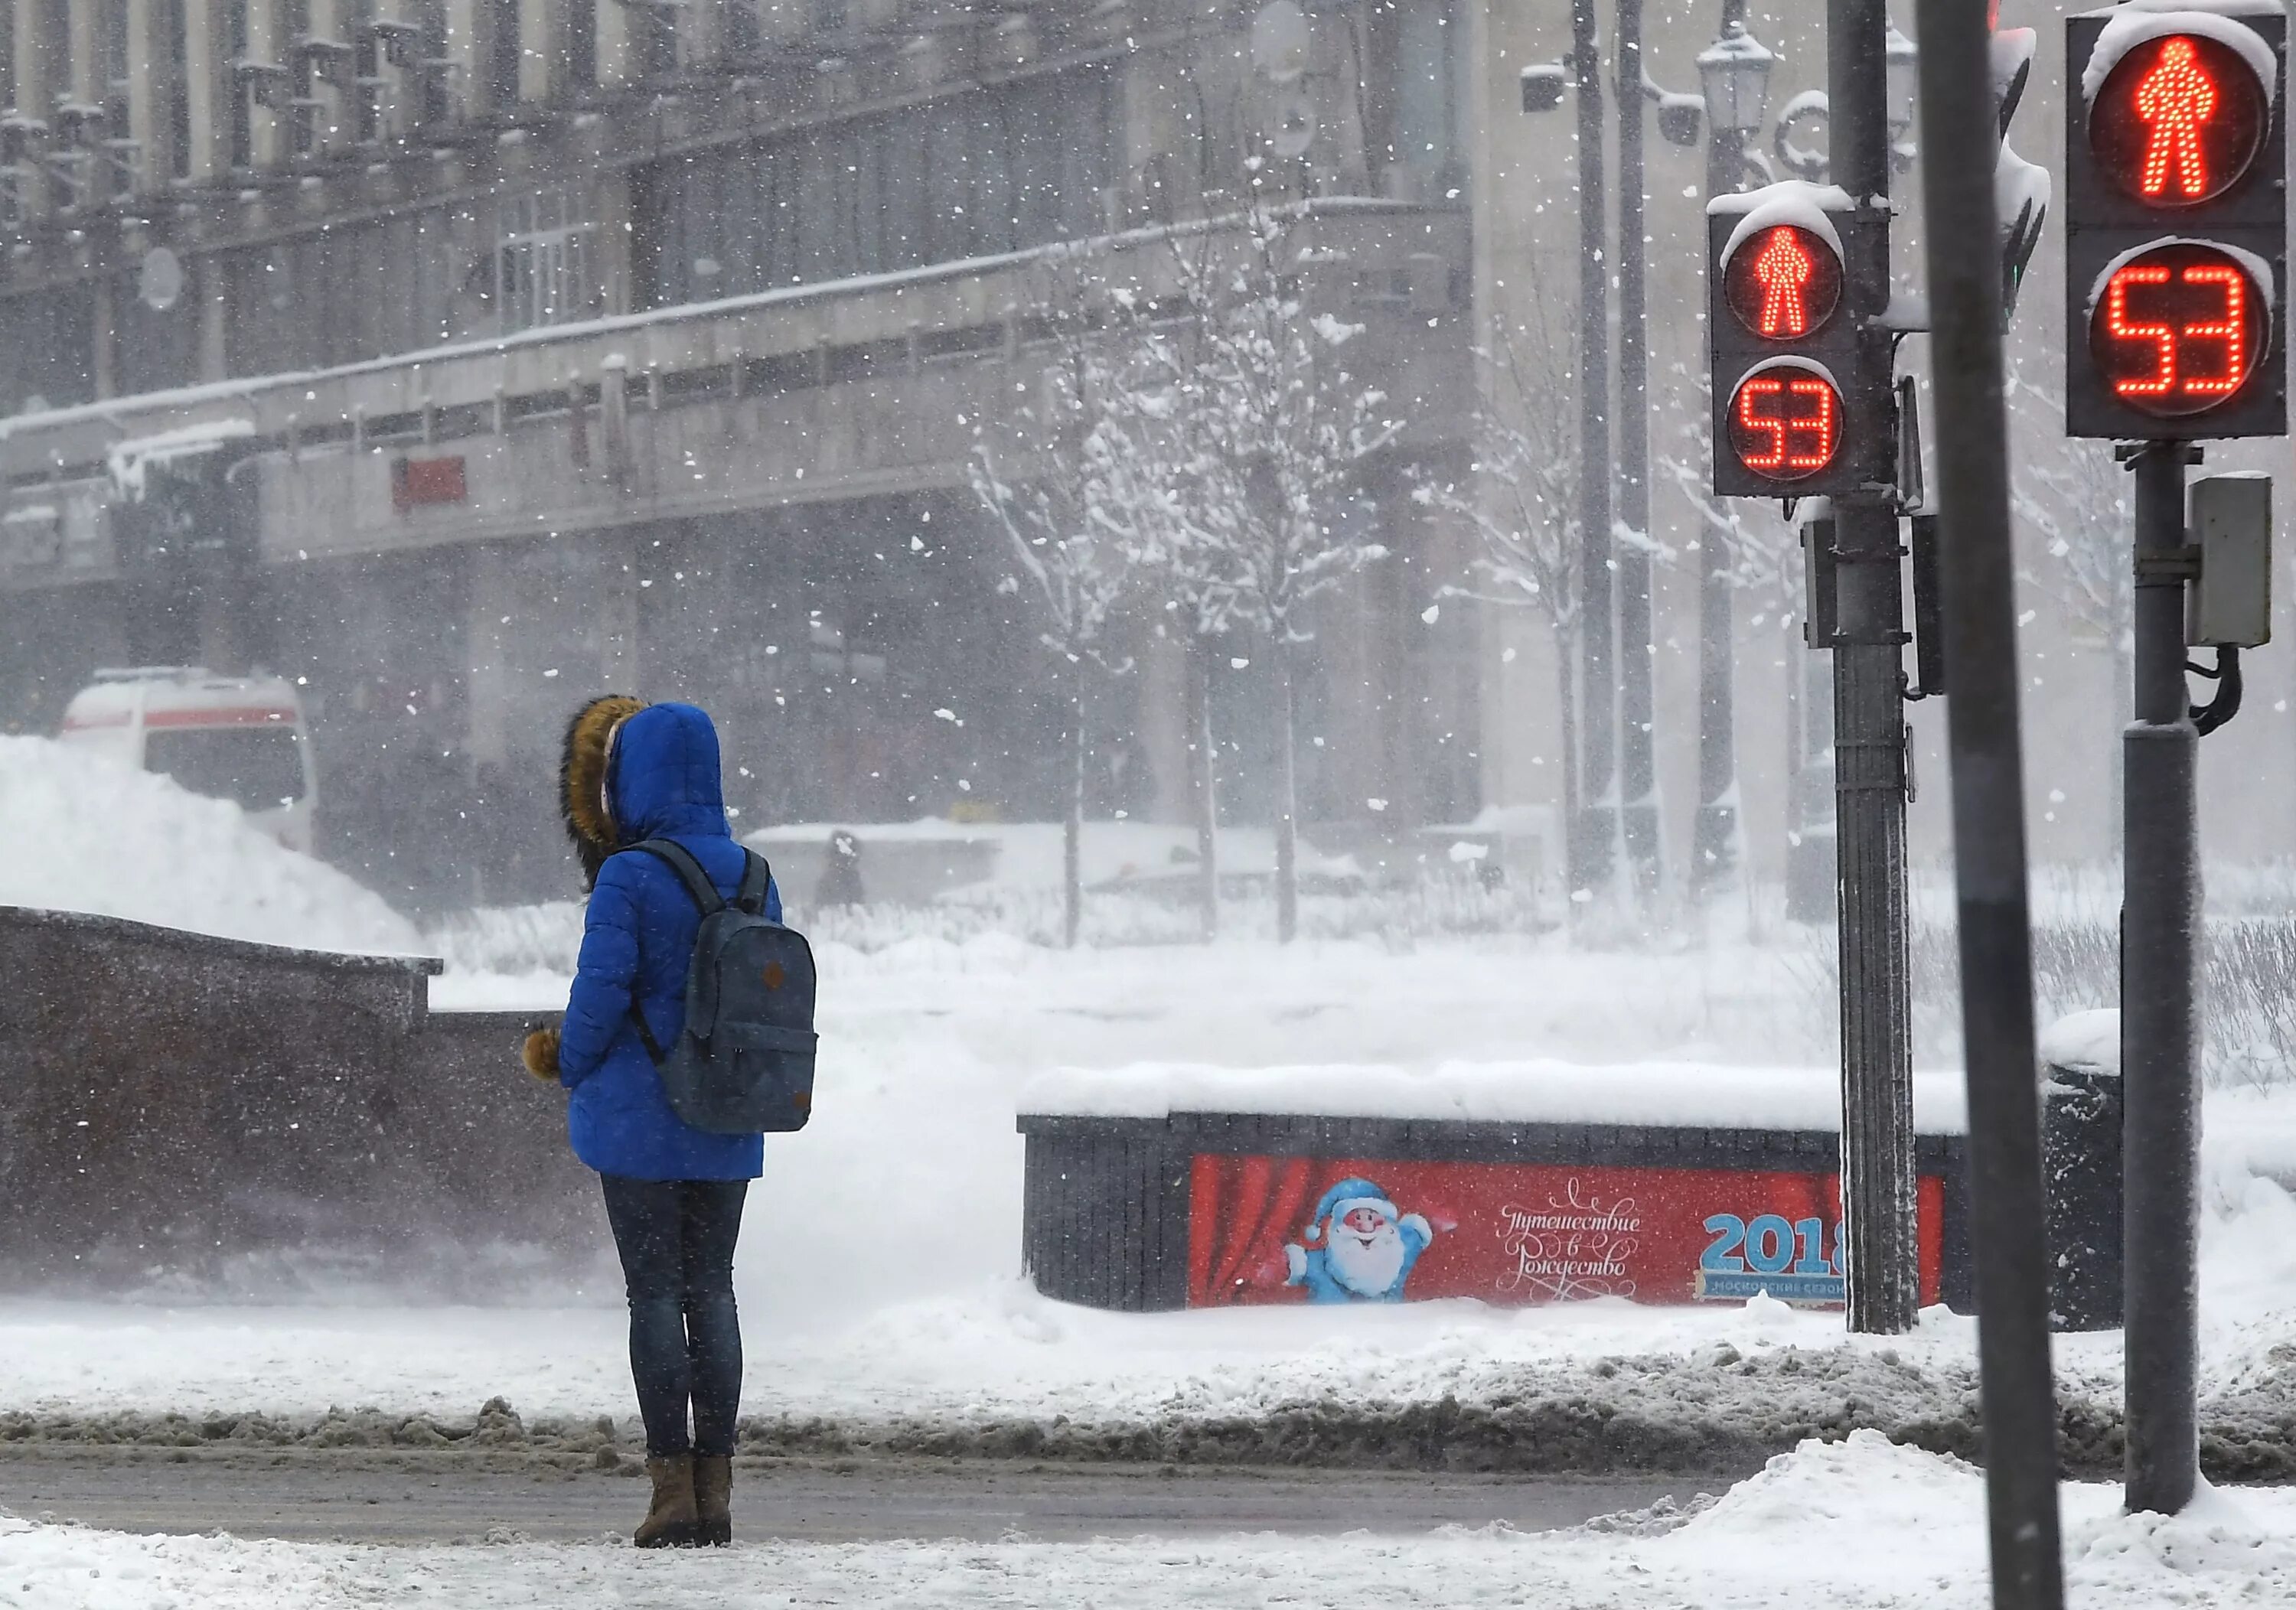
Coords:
1785,421
2179,329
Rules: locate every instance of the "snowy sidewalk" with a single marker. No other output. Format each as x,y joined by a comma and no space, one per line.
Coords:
1855,1524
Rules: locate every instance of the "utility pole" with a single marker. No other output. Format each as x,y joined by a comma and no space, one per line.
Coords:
1593,830
2016,1387
1638,764
1869,732
2160,1026
1714,835
2161,233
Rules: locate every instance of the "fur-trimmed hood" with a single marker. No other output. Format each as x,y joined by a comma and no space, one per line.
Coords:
634,771
582,780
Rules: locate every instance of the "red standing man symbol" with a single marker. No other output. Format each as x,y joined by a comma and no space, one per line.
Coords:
2174,101
1783,270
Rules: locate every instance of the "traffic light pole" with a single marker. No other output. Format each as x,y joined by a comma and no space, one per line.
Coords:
2016,1392
1638,761
1869,728
1714,836
2160,930
1593,829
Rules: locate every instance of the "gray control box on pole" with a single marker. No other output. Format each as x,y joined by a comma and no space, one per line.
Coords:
2229,605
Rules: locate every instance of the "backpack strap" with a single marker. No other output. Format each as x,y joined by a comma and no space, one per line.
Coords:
705,894
689,872
757,877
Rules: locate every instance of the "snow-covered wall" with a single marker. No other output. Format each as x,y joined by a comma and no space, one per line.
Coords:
1655,1094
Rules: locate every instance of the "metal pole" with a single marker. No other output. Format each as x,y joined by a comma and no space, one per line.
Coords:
1592,831
1714,835
2016,1392
1869,749
1637,768
2159,1023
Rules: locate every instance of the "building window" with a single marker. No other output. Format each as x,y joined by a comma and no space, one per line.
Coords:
964,175
1430,88
546,269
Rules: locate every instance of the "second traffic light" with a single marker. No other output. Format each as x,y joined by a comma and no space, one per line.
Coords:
2175,220
1792,416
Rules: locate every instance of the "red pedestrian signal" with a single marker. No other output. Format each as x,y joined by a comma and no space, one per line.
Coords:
1789,418
1785,420
2178,121
2176,237
1783,284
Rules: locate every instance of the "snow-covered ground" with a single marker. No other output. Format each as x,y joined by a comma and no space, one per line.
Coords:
880,1265
95,835
1860,1524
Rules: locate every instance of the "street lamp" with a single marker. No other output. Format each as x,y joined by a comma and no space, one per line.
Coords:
1591,829
1734,73
1901,68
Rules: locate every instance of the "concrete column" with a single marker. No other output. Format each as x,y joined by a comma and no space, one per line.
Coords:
151,78
207,285
487,678
398,98
617,64
34,96
268,128
543,37
470,29
616,612
87,89
1163,726
32,57
103,361
85,25
701,33
208,88
334,120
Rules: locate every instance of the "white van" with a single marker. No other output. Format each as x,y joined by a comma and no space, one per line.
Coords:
236,738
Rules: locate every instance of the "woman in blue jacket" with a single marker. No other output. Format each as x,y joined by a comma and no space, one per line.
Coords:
674,1193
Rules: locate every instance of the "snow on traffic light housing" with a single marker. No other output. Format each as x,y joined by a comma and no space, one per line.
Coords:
1784,343
2179,119
2175,223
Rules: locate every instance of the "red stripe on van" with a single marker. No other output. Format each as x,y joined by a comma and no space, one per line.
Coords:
238,717
74,723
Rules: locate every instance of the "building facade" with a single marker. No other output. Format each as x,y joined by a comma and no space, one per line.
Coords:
463,358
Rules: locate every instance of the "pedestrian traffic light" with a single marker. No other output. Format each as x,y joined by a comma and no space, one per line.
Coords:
1789,420
2176,179
2020,189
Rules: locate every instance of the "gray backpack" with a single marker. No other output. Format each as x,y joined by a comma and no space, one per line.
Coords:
743,1062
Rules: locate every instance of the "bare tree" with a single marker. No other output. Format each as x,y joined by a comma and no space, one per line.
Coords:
1273,428
1075,569
1520,506
1762,563
2075,499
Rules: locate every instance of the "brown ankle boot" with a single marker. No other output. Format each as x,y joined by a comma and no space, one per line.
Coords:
713,1499
669,1522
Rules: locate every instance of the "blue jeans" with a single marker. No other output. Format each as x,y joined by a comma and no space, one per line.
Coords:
676,1238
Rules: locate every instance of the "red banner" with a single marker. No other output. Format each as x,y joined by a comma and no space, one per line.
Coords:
1297,1229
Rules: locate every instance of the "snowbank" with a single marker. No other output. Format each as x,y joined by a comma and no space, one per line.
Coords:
96,836
1689,1095
1849,1526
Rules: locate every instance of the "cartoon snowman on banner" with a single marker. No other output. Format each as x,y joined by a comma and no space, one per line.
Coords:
1360,1249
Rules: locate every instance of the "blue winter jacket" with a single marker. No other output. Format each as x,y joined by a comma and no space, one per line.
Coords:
661,782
